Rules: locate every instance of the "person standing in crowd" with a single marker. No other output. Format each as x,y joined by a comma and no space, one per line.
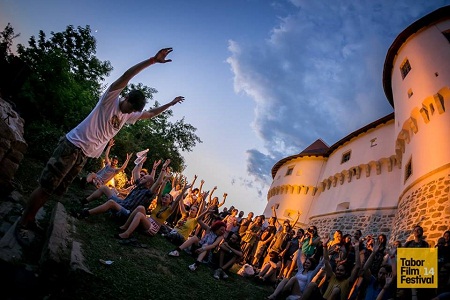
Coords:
245,223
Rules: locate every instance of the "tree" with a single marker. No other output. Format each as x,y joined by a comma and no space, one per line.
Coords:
63,85
164,138
66,77
13,71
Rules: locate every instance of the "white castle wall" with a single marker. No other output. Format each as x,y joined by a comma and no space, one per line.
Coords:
428,52
370,191
369,179
422,100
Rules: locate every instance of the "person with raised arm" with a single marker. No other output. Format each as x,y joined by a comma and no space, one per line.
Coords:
142,195
88,140
376,283
165,206
111,169
136,173
213,205
308,267
339,281
189,220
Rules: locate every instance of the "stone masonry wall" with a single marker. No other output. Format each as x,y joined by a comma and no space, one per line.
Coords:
12,145
427,204
372,222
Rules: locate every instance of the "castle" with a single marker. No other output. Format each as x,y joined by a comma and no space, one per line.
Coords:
393,173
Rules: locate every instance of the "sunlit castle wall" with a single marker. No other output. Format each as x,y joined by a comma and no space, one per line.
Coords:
417,82
360,183
395,172
354,184
294,186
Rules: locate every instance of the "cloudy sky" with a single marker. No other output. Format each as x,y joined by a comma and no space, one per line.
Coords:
262,79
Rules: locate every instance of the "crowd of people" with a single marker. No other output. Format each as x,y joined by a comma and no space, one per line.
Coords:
299,263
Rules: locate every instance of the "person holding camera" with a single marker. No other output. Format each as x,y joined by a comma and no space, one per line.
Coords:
311,242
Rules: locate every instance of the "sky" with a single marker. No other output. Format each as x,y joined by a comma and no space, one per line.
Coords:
262,79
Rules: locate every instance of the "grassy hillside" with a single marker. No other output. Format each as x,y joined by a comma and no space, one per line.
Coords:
145,272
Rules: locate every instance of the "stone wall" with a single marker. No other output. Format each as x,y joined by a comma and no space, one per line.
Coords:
426,203
12,145
374,222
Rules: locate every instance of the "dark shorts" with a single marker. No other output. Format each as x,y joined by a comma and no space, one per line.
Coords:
175,238
62,168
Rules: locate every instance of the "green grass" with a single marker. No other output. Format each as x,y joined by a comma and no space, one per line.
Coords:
138,273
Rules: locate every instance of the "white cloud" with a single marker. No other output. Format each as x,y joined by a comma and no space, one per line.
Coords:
318,74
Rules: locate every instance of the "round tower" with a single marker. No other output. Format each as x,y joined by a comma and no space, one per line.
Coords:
416,81
294,183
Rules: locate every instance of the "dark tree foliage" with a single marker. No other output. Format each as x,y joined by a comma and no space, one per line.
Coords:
13,71
62,83
164,138
66,77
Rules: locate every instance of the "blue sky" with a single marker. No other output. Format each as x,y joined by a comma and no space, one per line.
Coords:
262,79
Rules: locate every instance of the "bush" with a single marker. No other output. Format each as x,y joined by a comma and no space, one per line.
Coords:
42,138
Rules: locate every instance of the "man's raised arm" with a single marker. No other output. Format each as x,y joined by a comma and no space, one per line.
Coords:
123,80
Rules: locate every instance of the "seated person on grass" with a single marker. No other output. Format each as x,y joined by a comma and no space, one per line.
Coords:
296,285
189,220
339,281
213,205
142,194
372,285
201,247
111,191
164,208
104,175
229,253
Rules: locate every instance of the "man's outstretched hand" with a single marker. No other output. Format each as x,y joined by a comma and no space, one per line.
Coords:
160,57
177,100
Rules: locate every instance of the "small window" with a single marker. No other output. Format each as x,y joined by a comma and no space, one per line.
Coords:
405,68
447,34
373,142
346,156
289,171
408,169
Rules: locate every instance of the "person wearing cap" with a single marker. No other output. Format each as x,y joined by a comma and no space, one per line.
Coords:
88,140
107,173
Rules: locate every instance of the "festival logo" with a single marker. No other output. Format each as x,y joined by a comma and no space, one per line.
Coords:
417,268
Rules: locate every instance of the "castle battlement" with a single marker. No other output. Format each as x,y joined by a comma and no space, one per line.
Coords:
393,173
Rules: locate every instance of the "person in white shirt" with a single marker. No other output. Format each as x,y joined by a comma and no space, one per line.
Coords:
88,140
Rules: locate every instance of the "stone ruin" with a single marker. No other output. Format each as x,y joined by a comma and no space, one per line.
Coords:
12,145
